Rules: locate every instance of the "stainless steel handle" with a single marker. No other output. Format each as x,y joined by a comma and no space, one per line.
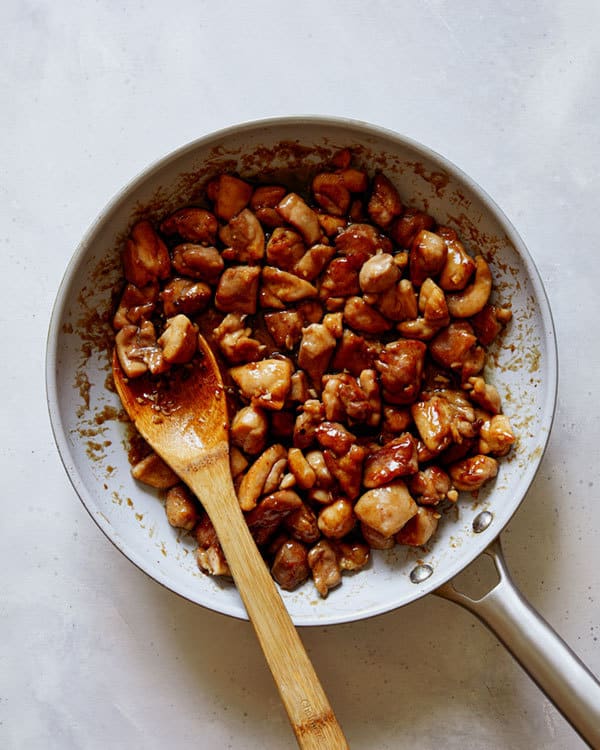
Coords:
539,650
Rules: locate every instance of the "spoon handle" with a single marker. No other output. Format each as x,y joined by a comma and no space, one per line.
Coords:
307,706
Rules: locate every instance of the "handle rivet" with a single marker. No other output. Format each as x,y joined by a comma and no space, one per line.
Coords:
482,521
420,573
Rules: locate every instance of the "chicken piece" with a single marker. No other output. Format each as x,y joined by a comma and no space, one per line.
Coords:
418,530
238,289
152,470
316,459
299,392
340,278
265,383
331,225
374,539
452,345
330,193
179,340
458,266
352,555
346,400
263,202
398,302
138,351
253,482
360,242
245,238
337,520
285,248
384,204
285,327
471,473
204,531
184,296
310,417
363,317
314,260
211,560
235,340
145,256
237,462
443,417
355,180
302,525
396,419
297,213
407,227
198,262
135,306
386,509
303,472
396,458
378,273
334,322
484,395
355,354
322,560
264,520
400,366
316,347
430,486
432,303
428,253
280,288
335,437
347,469
192,224
232,195
181,508
496,436
489,322
249,429
290,567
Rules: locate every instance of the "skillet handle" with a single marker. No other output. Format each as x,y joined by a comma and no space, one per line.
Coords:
539,650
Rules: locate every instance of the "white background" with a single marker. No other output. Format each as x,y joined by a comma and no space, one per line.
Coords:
93,654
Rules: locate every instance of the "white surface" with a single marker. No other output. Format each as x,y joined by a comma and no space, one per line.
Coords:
92,653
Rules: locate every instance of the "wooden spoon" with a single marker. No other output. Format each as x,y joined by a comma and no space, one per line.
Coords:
183,416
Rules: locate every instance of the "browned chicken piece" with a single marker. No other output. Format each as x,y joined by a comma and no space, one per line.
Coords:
211,560
138,351
297,213
428,253
280,288
386,509
237,461
331,225
179,340
452,345
432,303
303,472
204,531
384,204
263,202
378,273
249,429
290,566
135,305
396,419
400,366
302,525
264,520
285,248
322,560
347,469
235,340
355,354
459,265
244,237
417,531
496,436
352,555
310,416
398,302
285,327
489,322
152,470
330,193
471,473
433,419
396,458
181,508
198,262
430,485
145,256
363,317
374,539
313,261
340,278
232,195
361,242
299,391
318,464
238,289
265,383
346,399
474,297
253,482
334,322
355,180
407,227
484,395
316,347
335,437
337,520
342,158
185,296
192,224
